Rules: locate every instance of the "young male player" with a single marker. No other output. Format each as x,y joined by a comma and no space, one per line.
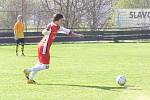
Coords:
44,46
19,34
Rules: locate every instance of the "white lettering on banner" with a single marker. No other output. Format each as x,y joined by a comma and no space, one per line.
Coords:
132,17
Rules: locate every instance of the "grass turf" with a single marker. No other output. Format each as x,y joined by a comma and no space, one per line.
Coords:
78,72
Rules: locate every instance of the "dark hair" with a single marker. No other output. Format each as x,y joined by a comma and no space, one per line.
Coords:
57,17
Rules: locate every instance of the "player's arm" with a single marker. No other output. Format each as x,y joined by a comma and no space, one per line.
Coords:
15,30
76,35
70,33
23,27
47,30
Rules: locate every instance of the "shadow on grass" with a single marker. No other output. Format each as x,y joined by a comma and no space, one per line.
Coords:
88,86
132,87
30,56
37,56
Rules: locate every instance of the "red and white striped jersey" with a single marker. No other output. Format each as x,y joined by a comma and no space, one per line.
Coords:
49,35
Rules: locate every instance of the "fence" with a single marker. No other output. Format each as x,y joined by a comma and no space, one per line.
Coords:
34,37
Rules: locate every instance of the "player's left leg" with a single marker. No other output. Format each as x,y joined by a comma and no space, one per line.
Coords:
29,81
38,67
22,44
22,49
34,70
26,73
17,49
31,76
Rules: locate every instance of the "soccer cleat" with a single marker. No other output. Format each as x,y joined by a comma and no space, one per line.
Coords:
26,73
23,54
16,53
31,82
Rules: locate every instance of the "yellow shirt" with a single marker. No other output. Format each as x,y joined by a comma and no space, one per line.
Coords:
19,30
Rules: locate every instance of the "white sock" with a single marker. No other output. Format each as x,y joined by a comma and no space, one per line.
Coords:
38,67
32,74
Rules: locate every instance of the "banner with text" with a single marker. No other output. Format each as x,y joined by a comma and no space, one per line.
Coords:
132,18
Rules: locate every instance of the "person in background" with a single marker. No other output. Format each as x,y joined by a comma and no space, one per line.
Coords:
19,34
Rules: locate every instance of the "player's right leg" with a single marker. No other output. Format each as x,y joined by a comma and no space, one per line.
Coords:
17,49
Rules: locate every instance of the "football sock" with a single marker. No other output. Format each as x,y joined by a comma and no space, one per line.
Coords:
38,67
32,74
22,49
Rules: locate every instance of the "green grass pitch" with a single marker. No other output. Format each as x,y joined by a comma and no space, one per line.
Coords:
78,72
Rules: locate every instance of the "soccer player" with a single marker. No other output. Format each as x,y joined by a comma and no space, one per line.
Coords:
44,46
19,34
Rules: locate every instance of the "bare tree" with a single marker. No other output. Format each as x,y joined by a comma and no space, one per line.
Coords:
78,13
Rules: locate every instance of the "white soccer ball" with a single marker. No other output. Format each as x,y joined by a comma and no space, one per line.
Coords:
121,80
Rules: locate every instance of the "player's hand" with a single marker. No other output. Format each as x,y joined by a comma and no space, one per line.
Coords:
80,35
77,35
15,38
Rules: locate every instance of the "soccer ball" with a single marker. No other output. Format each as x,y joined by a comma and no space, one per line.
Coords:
121,80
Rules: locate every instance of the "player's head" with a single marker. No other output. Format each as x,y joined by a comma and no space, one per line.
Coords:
19,18
58,19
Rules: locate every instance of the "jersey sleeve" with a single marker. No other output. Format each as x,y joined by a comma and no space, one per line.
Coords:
23,24
15,27
65,31
47,30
